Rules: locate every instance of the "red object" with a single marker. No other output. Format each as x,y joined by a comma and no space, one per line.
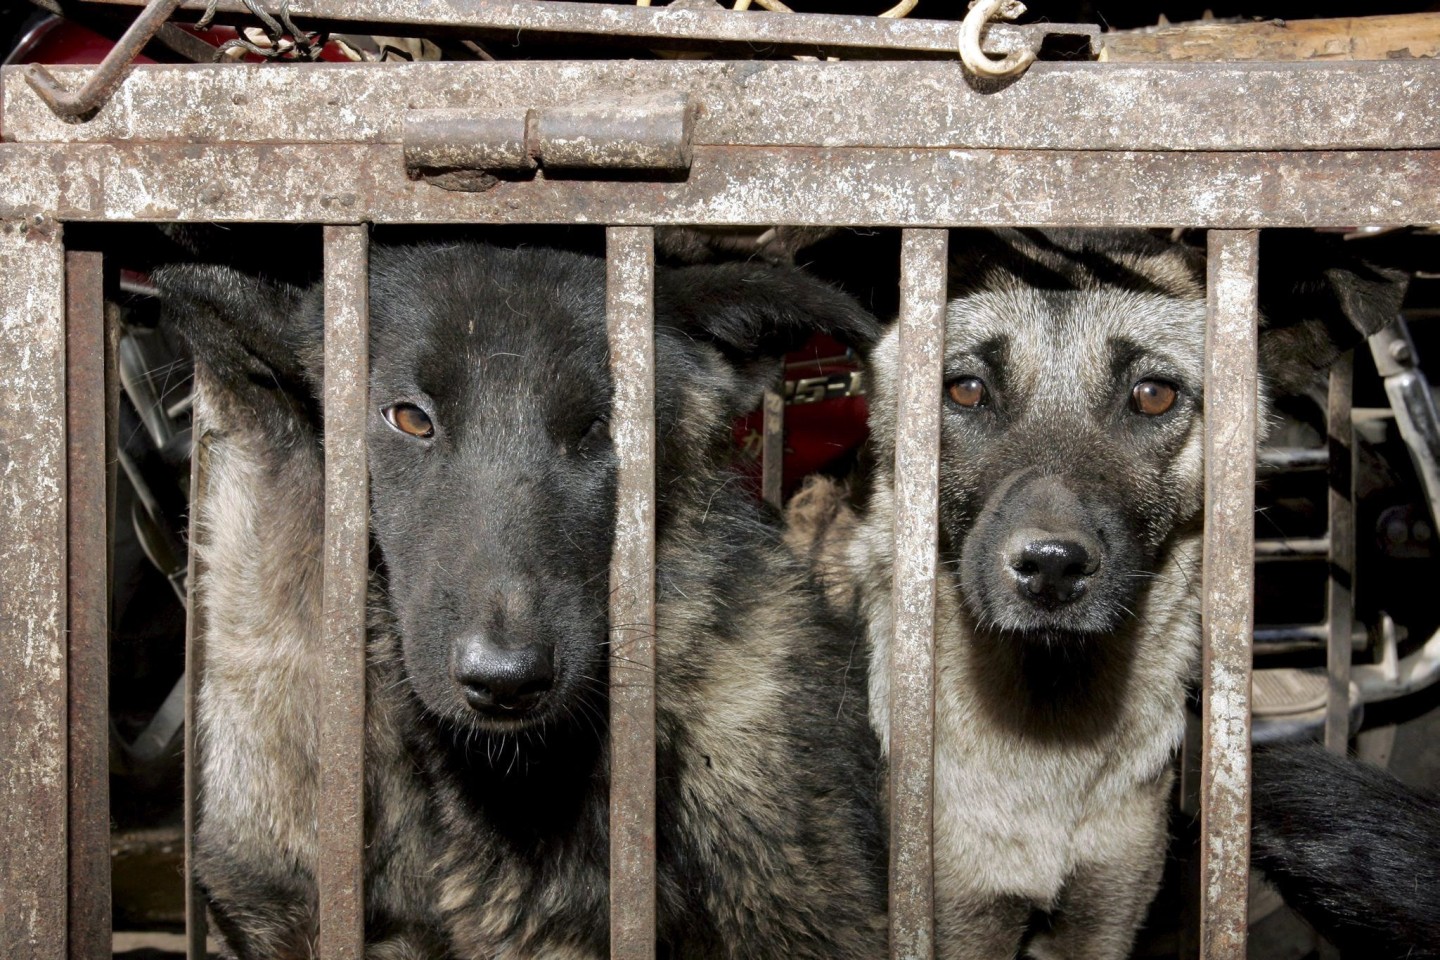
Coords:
58,41
819,433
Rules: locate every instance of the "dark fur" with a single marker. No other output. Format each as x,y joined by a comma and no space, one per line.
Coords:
1353,849
496,534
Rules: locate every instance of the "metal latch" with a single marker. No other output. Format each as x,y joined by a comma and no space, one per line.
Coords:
458,150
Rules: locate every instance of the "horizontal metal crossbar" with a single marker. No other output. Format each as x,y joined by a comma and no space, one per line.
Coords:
611,23
733,186
1055,106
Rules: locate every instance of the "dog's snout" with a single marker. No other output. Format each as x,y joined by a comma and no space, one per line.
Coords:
1053,569
497,678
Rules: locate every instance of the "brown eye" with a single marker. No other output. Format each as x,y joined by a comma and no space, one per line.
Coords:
408,418
1153,397
967,391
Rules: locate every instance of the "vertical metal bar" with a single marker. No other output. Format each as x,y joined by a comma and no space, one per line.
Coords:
195,920
33,600
630,307
33,867
1341,586
1228,613
347,573
923,257
88,563
772,452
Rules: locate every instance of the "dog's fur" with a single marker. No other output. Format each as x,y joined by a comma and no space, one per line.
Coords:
1057,712
1351,848
487,828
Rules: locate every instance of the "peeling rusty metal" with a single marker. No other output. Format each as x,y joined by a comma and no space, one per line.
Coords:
630,307
448,140
104,78
923,265
735,186
33,781
645,133
196,921
88,557
346,579
813,33
1385,105
650,133
1228,611
1340,588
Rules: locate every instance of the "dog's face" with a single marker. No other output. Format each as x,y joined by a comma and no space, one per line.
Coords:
493,477
492,473
1072,430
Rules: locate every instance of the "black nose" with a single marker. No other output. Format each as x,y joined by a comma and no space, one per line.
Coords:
1053,571
497,678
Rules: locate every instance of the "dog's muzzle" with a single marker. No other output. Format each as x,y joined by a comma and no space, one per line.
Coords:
500,681
1051,569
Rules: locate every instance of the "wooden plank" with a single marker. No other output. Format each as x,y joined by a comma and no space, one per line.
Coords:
1405,36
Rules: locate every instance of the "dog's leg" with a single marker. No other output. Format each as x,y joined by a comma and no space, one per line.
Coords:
976,927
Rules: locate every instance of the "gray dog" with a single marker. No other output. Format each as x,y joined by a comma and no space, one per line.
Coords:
1068,611
493,485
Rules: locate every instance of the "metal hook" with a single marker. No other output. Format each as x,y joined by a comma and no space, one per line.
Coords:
109,73
974,58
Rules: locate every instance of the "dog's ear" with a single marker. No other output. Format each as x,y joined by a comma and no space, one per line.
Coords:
754,314
1318,299
751,311
254,338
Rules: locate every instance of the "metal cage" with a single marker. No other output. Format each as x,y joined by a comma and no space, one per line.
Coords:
919,145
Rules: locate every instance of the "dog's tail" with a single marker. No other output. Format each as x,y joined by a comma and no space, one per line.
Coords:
1351,848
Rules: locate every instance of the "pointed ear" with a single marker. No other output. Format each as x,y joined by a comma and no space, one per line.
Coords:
254,338
753,311
754,314
1318,299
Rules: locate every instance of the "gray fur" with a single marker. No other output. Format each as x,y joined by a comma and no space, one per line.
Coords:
487,834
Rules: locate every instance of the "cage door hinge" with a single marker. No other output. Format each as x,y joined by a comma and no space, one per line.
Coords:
460,150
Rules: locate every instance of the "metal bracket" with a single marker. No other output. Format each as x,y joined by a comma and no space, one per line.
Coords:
457,150
111,71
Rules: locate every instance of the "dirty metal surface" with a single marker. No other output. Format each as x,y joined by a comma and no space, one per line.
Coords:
1340,592
88,555
1054,106
347,571
103,79
644,133
467,140
1228,611
923,261
647,133
736,186
812,33
33,868
196,920
630,308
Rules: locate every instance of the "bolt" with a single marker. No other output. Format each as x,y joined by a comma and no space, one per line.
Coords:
1396,531
1421,532
1400,352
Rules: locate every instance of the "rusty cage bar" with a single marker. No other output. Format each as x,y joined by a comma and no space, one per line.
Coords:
1068,144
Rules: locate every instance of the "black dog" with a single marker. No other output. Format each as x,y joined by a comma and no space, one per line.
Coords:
493,489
